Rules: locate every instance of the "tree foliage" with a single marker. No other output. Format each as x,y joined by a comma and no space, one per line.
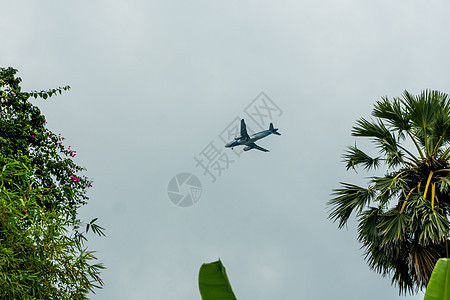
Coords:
402,216
42,243
23,132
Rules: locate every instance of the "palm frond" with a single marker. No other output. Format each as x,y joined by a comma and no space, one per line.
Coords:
355,157
348,199
393,227
421,107
439,130
368,233
377,259
388,187
434,225
374,130
443,184
426,108
422,260
384,139
392,113
403,277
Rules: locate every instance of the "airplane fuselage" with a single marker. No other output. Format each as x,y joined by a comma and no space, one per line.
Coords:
249,140
245,141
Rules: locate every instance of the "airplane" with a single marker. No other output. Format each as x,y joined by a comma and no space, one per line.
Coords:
249,141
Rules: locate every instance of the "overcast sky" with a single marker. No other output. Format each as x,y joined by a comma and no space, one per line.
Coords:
156,83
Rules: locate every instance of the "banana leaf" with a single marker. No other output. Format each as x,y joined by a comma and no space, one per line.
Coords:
213,282
439,286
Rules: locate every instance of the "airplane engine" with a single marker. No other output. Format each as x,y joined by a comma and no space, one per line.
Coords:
237,138
246,148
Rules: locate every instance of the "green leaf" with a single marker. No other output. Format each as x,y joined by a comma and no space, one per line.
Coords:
349,198
354,157
385,140
393,113
439,286
368,225
213,282
393,226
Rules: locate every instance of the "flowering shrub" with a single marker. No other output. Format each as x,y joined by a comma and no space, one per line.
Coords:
41,190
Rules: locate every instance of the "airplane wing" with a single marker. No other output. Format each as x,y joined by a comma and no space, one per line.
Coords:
244,133
254,146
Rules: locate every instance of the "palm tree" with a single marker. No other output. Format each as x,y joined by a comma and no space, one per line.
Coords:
403,216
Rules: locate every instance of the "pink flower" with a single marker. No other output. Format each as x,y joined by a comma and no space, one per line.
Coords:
33,136
74,179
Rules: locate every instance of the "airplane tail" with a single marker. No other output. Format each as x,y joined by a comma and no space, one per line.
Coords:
273,130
